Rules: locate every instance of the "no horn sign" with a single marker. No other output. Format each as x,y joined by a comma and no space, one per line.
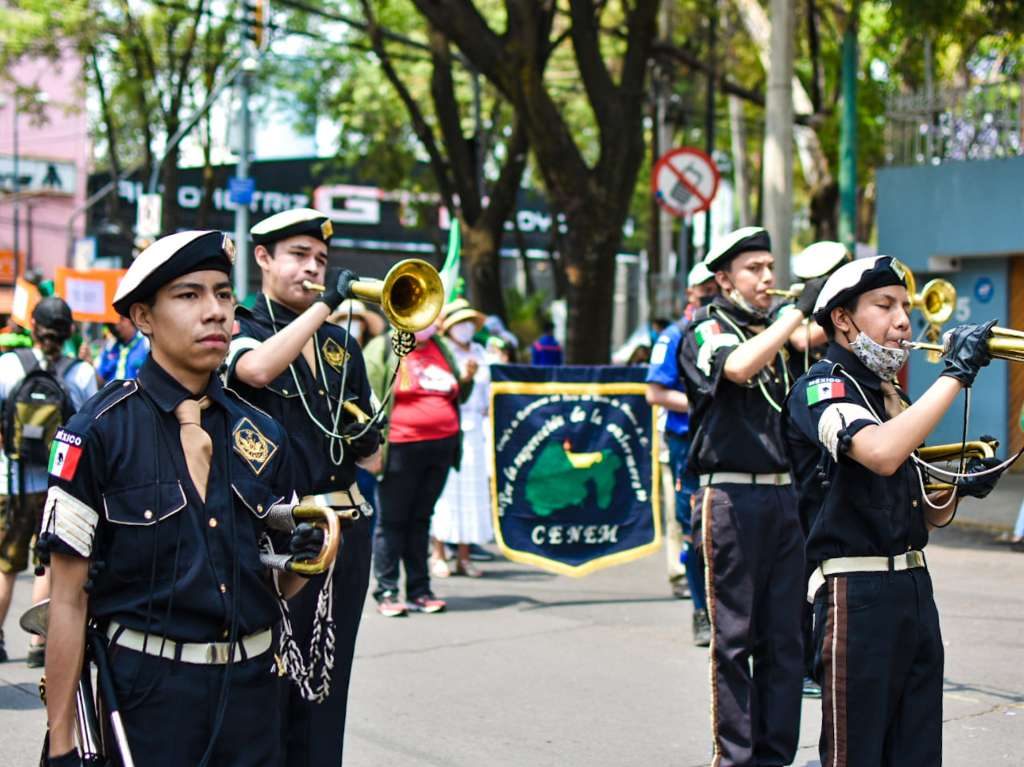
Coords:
685,181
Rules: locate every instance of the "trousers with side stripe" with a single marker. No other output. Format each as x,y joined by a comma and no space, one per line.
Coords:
879,660
754,560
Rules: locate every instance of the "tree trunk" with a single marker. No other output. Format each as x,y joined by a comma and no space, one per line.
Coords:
483,269
778,139
741,174
169,178
590,281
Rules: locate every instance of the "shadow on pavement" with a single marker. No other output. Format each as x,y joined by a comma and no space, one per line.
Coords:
487,602
591,602
968,537
506,574
1010,696
19,697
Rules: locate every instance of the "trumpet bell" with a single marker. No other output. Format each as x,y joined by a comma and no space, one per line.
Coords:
937,301
411,295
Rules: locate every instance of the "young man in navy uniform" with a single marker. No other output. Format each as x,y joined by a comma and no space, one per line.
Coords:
852,433
287,359
158,490
733,360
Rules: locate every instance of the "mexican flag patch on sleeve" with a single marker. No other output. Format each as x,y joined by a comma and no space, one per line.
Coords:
825,388
65,453
706,330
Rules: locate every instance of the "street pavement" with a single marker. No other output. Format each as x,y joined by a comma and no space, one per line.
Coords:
533,669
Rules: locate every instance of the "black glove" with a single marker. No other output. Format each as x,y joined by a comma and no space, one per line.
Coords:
70,759
338,283
305,542
364,445
966,351
809,295
979,487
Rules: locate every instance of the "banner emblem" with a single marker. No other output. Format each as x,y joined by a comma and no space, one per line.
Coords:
574,455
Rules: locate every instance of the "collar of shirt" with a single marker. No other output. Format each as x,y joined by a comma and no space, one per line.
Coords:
282,314
167,393
852,365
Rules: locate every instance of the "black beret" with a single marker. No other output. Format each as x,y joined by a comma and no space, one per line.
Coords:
292,223
733,244
53,313
169,258
852,279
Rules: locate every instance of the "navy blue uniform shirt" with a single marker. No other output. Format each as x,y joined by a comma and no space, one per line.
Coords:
733,427
120,494
310,446
851,511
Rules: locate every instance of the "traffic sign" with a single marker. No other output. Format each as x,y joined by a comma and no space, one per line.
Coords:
685,181
240,190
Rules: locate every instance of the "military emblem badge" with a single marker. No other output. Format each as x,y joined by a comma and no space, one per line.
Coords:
250,443
334,354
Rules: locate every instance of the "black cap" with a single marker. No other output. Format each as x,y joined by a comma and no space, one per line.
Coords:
292,223
54,314
733,244
169,258
854,278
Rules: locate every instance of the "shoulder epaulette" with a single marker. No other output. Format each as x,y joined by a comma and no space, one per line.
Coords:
112,395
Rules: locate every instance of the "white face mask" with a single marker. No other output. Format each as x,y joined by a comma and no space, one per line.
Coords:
462,333
883,361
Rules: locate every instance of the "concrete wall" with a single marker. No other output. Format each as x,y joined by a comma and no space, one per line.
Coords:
973,212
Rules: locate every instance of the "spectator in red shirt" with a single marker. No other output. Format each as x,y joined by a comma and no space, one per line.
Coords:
424,441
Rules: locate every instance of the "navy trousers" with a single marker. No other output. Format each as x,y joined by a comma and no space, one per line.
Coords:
315,732
168,709
879,659
754,555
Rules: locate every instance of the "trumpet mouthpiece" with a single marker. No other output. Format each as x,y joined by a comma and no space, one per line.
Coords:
313,286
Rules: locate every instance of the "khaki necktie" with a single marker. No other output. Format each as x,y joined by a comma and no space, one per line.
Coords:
894,404
195,442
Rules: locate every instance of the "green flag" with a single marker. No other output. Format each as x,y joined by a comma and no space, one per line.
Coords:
450,270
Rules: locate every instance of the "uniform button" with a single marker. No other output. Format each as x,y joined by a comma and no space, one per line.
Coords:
212,522
914,504
320,392
332,478
223,589
127,383
147,514
284,391
259,507
224,633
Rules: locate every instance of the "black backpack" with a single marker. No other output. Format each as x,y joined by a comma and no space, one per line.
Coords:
35,408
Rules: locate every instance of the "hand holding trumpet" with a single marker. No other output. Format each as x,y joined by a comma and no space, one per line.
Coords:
336,288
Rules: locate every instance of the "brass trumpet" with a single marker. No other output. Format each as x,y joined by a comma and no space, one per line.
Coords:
1005,344
285,516
950,453
936,301
792,292
411,294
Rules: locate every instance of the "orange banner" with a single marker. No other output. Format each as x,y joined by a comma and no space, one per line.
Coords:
89,292
26,296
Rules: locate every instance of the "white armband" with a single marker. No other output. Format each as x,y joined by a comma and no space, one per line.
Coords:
71,520
835,419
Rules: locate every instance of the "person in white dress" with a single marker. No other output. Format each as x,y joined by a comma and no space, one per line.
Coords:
462,516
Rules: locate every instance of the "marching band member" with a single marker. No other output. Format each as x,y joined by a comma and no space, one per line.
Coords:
152,521
287,359
851,433
732,357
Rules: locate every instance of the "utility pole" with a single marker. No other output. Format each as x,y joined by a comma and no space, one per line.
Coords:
778,138
709,107
16,204
242,173
848,136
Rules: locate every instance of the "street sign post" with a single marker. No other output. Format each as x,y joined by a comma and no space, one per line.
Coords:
685,181
149,213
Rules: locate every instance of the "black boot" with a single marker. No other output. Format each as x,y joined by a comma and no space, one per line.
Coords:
701,628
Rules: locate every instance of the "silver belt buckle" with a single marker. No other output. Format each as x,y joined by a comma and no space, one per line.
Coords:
915,559
217,652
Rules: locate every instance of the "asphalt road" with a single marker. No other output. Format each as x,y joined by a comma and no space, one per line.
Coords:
533,669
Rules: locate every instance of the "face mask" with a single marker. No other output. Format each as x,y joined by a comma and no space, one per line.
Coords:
462,332
881,360
425,334
737,298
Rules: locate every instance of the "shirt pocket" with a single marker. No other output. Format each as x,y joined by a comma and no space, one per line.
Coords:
255,495
144,529
284,385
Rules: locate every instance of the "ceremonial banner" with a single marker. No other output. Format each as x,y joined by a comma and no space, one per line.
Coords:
89,292
574,459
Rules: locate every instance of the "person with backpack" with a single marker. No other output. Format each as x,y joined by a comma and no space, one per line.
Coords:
40,389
